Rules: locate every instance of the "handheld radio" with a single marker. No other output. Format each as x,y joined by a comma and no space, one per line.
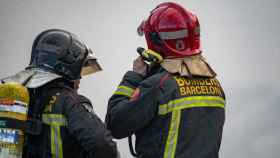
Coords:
149,55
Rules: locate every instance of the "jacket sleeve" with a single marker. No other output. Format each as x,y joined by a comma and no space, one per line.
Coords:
125,116
90,132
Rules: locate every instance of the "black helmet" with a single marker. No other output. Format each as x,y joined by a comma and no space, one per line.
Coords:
59,51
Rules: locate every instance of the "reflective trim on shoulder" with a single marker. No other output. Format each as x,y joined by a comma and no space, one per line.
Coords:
171,143
124,90
191,102
55,121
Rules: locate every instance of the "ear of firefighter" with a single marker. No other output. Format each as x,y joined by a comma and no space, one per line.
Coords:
91,65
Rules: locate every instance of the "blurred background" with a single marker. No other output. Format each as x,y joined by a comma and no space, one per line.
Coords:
240,39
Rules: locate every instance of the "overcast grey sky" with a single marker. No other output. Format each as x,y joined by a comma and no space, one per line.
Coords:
240,39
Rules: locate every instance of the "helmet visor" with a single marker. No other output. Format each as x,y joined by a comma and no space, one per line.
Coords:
91,65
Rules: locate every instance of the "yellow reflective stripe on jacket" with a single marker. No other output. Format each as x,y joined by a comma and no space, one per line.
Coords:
56,143
55,121
171,143
190,102
176,106
124,90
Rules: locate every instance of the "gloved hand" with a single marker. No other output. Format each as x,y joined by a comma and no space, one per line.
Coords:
139,66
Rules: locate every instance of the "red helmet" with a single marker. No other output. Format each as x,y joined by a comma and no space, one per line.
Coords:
172,31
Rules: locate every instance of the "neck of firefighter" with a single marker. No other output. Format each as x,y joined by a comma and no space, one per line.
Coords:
76,85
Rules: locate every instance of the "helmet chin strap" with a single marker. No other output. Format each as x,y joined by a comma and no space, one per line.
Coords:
156,39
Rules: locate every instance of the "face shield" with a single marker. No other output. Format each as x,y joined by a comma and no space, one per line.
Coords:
91,65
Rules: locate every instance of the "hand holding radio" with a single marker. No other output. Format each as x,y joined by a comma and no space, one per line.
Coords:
139,66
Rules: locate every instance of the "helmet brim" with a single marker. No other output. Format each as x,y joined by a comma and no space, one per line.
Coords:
33,77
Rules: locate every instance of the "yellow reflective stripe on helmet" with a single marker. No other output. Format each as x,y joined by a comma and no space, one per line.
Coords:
55,121
171,143
124,90
190,102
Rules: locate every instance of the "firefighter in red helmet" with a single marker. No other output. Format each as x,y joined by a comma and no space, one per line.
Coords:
175,106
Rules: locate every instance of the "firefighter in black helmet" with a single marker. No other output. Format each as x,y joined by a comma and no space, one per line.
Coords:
60,125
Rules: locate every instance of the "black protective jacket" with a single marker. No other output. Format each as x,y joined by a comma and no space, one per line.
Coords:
70,129
172,116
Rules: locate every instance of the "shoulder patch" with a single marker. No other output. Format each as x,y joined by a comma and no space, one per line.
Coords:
86,103
88,107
